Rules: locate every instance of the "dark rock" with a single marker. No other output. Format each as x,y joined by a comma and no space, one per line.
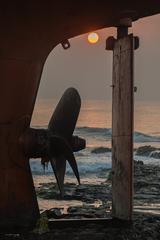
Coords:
138,162
101,150
145,150
109,178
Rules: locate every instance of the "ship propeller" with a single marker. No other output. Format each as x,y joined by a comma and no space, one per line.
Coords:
62,142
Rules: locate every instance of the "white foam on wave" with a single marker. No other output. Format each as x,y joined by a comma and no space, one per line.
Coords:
155,154
106,133
86,165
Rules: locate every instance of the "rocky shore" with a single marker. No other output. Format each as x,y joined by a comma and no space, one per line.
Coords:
94,201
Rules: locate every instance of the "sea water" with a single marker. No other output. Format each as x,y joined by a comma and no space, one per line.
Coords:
94,124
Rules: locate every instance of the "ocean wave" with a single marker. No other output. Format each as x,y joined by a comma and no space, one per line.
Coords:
87,169
141,137
107,133
92,165
155,154
94,130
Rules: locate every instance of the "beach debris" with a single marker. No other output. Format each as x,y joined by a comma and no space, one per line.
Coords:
56,213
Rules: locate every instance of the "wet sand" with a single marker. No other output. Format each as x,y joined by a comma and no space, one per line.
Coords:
93,200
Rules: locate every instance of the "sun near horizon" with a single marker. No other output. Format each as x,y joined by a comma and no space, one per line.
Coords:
93,37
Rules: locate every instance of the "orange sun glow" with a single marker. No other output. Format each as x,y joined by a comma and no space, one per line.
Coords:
93,37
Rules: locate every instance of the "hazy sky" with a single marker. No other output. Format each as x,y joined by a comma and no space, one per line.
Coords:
88,67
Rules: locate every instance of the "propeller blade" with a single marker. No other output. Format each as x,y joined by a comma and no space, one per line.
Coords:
59,168
73,164
62,124
58,147
64,118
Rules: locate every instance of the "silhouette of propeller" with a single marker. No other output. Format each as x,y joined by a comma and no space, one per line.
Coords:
62,142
